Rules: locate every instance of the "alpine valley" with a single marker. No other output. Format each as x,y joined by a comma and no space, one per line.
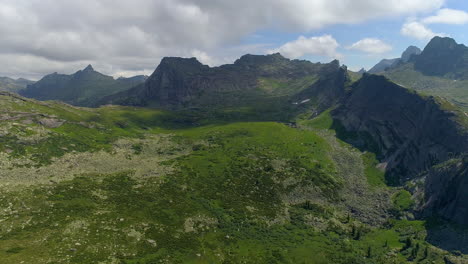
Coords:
266,160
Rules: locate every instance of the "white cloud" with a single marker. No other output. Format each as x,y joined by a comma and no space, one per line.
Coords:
371,45
132,36
418,28
320,13
204,58
419,31
324,45
448,16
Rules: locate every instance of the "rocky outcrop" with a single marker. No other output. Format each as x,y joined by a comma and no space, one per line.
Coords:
445,191
410,133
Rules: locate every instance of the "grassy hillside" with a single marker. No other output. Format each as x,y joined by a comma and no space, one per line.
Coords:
134,185
454,90
12,85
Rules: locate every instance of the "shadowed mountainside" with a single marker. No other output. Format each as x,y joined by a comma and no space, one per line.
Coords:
411,134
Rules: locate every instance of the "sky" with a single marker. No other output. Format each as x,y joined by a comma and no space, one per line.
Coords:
126,38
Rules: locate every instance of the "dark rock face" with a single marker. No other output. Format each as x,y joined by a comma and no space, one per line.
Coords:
82,88
175,81
328,90
443,57
415,139
409,132
445,191
181,82
409,52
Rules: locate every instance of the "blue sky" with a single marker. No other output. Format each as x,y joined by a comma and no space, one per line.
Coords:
125,38
387,29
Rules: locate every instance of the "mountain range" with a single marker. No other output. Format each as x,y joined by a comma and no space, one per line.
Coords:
439,70
83,88
266,160
387,64
179,82
13,85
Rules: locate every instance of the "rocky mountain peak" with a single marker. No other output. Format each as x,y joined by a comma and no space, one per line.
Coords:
250,59
186,65
179,60
88,68
443,57
441,43
410,51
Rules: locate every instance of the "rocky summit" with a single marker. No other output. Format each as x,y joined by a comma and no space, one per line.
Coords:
443,57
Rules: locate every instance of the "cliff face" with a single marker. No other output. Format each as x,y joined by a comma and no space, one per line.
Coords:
180,82
175,80
328,90
445,191
415,139
409,132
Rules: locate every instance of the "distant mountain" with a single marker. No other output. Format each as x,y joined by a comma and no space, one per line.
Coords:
386,64
443,57
441,69
83,88
409,52
12,85
135,80
383,65
180,82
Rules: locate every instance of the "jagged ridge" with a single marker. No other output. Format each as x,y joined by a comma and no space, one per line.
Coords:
180,82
